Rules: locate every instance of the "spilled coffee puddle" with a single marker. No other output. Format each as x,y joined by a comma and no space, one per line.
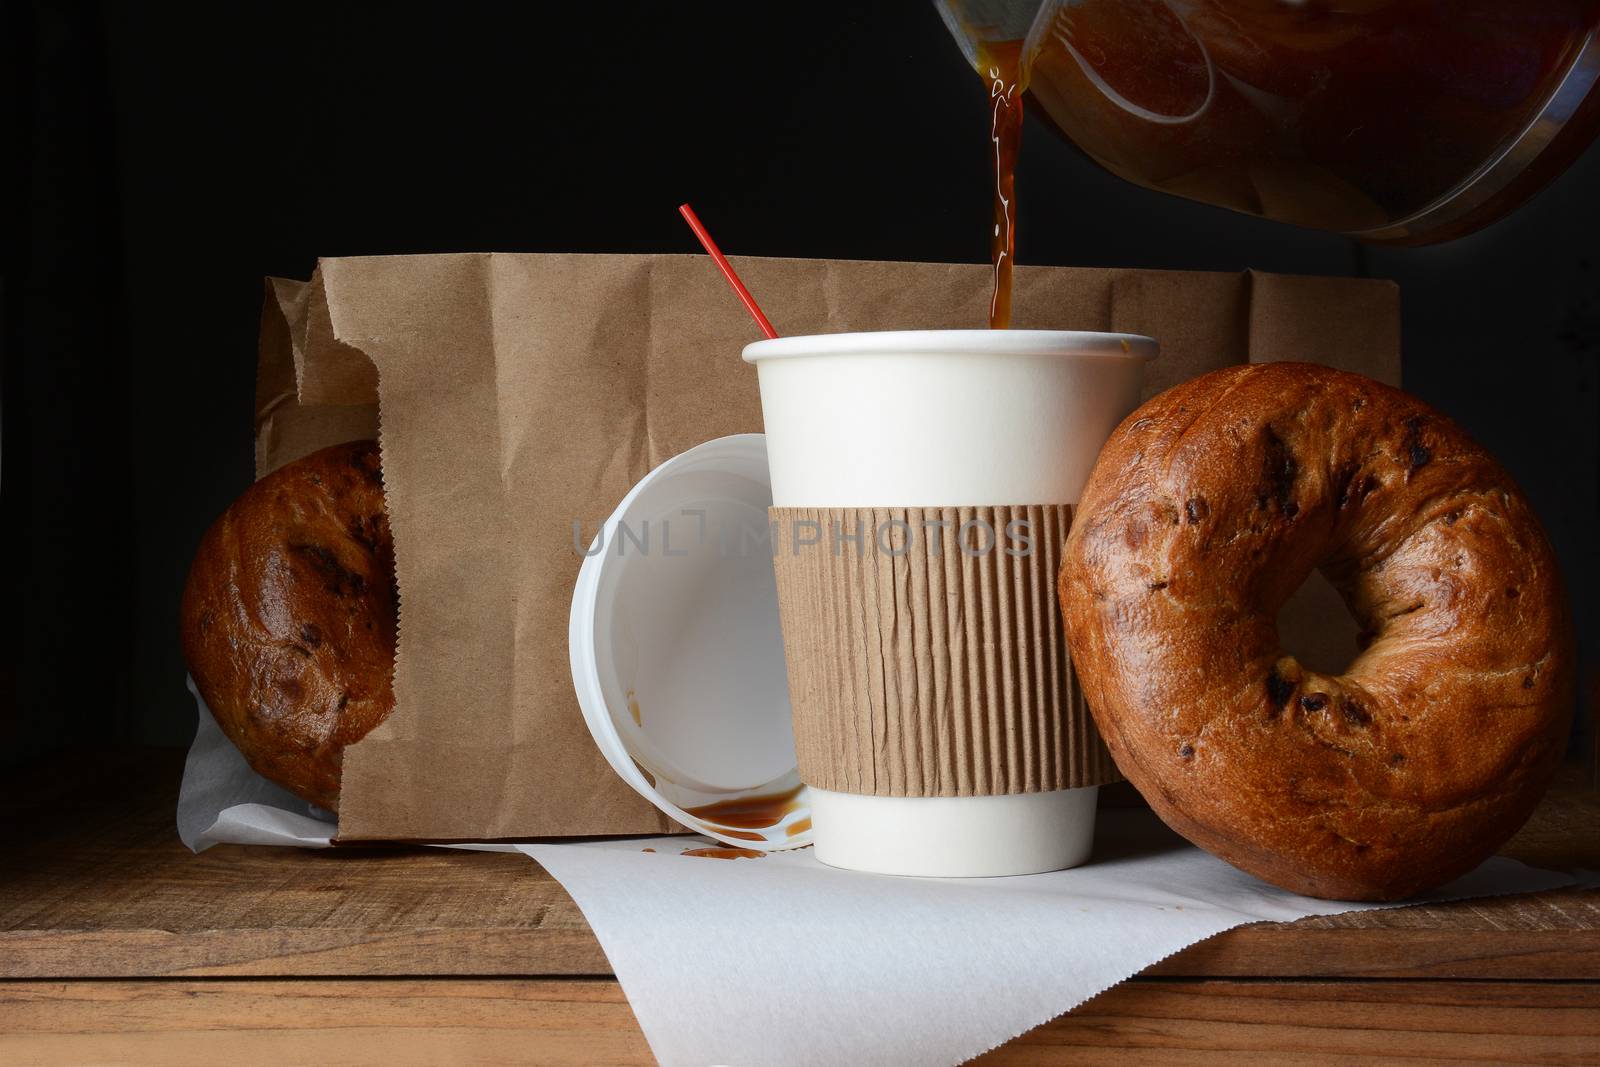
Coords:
748,813
742,835
724,853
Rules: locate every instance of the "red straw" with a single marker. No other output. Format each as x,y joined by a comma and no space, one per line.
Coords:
727,269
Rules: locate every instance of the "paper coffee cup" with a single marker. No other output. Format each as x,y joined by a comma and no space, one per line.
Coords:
922,487
676,657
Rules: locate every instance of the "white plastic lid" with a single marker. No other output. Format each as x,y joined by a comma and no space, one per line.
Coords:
676,652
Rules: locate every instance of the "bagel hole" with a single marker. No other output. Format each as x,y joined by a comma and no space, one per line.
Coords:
1316,627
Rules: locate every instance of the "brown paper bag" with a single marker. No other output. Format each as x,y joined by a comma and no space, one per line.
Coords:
516,394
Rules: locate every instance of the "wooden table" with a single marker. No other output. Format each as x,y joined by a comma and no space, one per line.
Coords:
117,945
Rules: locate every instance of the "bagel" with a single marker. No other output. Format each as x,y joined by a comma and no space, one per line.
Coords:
289,615
1207,508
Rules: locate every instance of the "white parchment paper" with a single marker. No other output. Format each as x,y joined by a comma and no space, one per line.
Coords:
782,961
223,800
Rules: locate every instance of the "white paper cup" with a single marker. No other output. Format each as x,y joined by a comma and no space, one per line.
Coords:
942,418
676,656
921,418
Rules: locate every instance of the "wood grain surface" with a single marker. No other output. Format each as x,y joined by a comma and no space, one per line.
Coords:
118,946
394,1022
404,1022
1224,1022
102,888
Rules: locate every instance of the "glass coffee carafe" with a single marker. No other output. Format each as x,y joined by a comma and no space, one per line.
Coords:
1389,120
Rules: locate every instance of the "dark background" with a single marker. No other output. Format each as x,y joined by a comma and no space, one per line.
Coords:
170,156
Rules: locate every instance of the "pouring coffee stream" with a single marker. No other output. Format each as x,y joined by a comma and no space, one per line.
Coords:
1000,64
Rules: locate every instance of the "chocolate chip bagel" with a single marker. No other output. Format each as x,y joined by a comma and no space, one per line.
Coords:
1208,507
289,616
